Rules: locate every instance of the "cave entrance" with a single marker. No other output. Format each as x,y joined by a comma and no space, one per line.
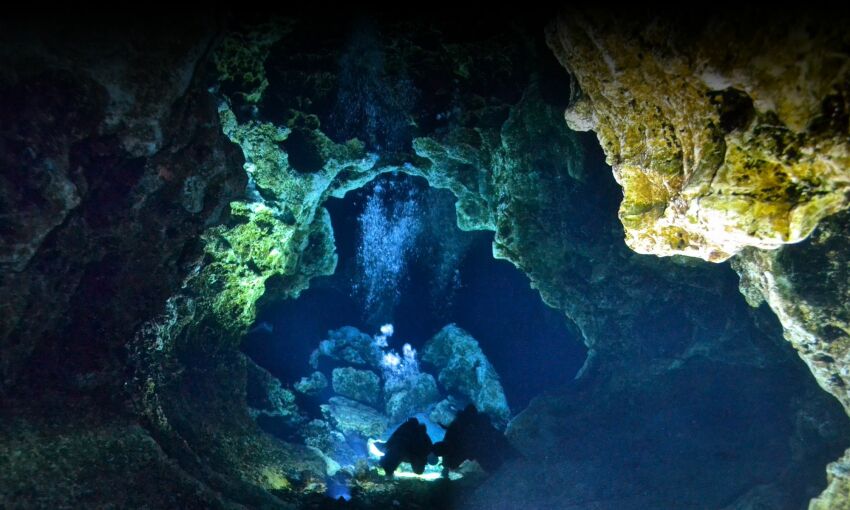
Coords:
419,319
439,275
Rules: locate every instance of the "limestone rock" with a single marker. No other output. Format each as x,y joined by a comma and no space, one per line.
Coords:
89,195
266,396
348,344
445,411
463,368
808,287
837,493
410,396
312,384
360,385
349,416
716,148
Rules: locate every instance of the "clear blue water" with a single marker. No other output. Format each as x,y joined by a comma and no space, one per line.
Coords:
493,302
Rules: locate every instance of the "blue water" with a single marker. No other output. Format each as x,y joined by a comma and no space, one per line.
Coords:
531,345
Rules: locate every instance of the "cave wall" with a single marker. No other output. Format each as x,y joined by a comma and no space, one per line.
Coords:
807,286
722,136
184,188
114,164
515,170
111,170
725,149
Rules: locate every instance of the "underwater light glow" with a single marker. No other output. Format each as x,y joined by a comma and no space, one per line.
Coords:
391,360
337,490
433,472
373,450
428,477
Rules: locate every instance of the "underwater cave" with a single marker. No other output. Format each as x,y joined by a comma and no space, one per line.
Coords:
575,258
427,277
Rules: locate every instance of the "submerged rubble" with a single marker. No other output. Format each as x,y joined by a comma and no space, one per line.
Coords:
367,407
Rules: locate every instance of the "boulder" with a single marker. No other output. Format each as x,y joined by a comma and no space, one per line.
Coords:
465,370
312,384
349,417
350,345
410,396
360,385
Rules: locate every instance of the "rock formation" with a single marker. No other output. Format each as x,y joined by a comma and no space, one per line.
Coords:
465,369
153,201
725,149
717,145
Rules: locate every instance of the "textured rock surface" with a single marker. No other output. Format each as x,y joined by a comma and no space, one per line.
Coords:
718,146
166,233
266,397
349,416
719,150
348,344
114,163
87,460
837,494
604,434
444,411
463,368
312,384
808,287
361,385
515,170
92,198
409,396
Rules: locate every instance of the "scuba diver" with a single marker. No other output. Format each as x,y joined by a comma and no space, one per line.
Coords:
471,436
409,443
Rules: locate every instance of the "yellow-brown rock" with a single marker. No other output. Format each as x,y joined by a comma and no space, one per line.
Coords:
837,493
807,285
718,146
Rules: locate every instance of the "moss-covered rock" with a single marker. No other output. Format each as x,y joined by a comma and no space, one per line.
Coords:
312,384
349,416
360,385
717,147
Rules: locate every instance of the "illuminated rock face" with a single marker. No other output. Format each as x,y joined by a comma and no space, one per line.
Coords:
717,145
465,369
728,148
808,287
